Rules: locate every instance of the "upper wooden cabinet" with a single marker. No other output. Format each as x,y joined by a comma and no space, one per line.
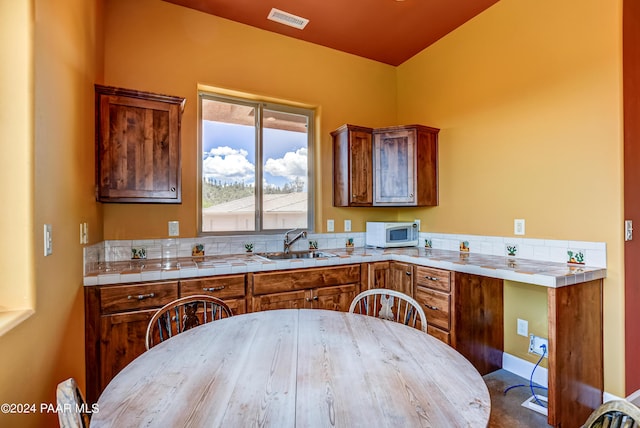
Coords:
137,146
395,166
405,166
352,166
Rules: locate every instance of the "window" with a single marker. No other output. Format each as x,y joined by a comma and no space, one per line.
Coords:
256,165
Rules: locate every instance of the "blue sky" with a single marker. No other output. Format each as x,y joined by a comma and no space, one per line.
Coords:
229,153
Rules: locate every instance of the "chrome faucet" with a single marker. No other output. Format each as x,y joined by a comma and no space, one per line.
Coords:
288,243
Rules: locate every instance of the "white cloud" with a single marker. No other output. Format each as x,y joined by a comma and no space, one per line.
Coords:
228,165
292,165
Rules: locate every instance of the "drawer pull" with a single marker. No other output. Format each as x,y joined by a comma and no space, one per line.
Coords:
310,299
431,278
214,288
433,308
141,296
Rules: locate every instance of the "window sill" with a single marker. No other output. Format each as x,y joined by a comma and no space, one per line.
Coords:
10,319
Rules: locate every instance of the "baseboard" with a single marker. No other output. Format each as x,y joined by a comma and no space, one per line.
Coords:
524,368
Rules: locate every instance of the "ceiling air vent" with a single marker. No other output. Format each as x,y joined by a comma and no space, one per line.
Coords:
287,19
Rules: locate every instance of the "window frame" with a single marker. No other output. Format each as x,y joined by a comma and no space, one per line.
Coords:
259,105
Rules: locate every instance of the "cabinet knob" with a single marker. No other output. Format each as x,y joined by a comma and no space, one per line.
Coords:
141,296
310,299
173,189
408,273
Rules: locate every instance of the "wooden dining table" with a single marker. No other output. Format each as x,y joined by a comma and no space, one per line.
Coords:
297,368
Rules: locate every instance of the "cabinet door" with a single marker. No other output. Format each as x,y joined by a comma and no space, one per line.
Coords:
352,166
401,277
122,339
138,146
336,298
285,300
394,167
378,275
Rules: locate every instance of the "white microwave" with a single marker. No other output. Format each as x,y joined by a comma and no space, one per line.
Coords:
391,234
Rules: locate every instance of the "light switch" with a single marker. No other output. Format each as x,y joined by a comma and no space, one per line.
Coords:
330,225
48,240
347,225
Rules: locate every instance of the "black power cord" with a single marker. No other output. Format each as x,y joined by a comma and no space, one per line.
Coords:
531,385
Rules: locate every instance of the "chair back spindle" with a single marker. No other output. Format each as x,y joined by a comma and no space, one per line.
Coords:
184,314
390,305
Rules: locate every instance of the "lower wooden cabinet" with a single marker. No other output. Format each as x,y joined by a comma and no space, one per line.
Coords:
433,291
116,319
392,275
319,288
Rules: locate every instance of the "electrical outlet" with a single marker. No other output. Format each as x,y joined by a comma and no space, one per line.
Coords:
518,226
523,327
416,221
174,228
628,230
536,344
347,225
330,225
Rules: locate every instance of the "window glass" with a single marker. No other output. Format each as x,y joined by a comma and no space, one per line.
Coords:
255,166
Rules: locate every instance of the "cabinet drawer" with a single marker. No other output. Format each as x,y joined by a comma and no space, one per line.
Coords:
141,296
222,287
436,305
439,334
437,279
302,279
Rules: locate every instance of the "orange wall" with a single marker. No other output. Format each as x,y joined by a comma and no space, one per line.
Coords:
160,47
48,347
528,99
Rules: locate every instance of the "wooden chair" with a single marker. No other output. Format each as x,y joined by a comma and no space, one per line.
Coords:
183,314
72,408
614,414
390,305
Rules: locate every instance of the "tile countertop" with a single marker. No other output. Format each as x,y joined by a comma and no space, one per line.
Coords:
548,274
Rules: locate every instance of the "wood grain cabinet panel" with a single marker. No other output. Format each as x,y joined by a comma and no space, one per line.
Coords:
121,298
401,277
433,291
116,319
230,288
378,275
322,288
405,166
137,146
352,166
479,320
122,339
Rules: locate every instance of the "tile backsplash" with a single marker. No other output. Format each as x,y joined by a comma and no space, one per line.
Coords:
590,253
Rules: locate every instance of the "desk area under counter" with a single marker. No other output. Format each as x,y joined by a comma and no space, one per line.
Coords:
475,321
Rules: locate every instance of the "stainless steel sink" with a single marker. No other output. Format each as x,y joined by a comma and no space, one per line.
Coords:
295,255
